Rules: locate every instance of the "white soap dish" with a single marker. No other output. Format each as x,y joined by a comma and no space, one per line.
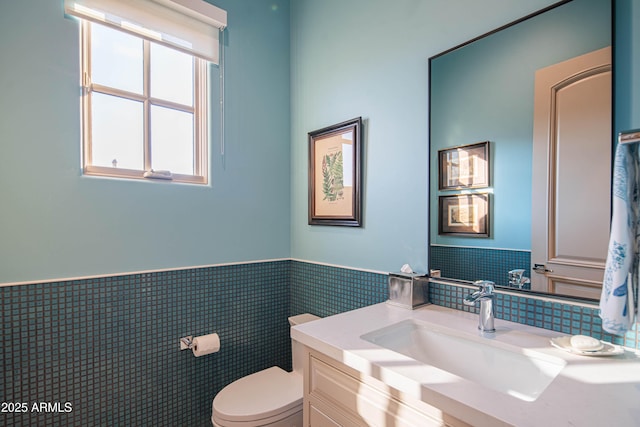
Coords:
606,349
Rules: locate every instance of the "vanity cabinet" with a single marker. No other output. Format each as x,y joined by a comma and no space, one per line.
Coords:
336,395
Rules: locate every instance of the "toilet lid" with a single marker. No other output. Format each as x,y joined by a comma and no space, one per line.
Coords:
261,395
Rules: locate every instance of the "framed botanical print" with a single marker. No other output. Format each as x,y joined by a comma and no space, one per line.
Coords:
335,174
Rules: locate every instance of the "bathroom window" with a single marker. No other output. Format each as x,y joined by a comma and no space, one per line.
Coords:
144,108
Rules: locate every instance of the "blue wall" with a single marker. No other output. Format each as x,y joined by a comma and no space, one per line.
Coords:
369,58
58,224
484,92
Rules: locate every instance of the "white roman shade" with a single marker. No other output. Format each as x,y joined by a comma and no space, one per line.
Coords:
192,26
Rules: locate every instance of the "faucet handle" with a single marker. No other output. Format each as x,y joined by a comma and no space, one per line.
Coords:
485,286
517,273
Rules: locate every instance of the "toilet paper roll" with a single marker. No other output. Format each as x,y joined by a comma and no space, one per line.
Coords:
206,344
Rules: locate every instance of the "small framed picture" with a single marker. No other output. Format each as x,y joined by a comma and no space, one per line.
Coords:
465,166
334,175
464,215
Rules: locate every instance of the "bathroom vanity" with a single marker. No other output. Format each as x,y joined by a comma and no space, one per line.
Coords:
337,395
385,365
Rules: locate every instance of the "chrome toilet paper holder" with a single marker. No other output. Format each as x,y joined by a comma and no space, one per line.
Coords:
202,345
186,343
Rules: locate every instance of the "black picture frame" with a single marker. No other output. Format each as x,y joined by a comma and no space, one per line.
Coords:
464,215
464,166
335,196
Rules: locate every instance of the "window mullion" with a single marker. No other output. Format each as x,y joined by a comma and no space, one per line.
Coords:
200,120
196,121
172,105
147,104
94,87
85,34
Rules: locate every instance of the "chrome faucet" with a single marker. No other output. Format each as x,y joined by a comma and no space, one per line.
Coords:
486,297
517,279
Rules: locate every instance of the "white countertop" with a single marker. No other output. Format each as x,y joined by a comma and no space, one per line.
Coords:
589,391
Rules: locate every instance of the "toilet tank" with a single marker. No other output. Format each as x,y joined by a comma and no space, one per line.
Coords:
297,356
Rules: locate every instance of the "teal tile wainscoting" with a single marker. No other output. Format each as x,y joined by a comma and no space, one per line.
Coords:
326,290
479,263
564,317
109,346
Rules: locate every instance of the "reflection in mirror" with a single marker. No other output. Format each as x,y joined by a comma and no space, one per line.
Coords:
484,91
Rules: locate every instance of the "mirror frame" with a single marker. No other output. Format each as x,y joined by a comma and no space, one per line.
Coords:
500,288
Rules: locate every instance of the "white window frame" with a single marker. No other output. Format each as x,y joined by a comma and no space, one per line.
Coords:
199,110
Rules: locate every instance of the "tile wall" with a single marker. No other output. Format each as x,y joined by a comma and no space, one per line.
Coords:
479,263
109,346
326,290
565,318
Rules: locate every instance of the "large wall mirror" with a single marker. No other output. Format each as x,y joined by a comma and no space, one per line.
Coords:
520,153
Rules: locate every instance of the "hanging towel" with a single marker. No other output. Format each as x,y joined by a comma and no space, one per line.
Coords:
617,308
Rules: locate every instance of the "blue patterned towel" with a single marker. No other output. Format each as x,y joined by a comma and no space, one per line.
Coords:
617,308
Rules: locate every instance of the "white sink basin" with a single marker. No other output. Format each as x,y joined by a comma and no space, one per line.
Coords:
521,373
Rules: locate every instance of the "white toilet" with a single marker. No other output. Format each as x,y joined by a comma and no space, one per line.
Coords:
271,397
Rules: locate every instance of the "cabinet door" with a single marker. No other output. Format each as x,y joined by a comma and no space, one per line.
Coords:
318,418
353,402
326,415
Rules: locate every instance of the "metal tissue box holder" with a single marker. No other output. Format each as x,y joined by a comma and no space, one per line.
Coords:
408,290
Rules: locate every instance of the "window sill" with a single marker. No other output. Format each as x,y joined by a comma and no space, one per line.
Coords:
106,172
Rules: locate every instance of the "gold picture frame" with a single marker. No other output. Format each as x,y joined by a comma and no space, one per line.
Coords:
335,174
